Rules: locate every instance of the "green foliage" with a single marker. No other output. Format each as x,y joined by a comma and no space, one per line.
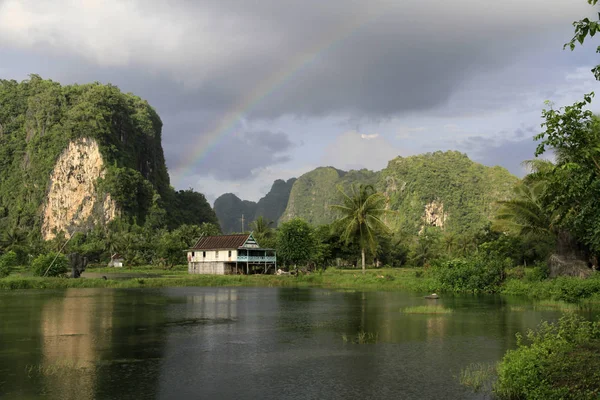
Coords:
170,248
314,192
583,28
296,242
50,265
39,118
7,262
558,361
569,289
427,247
361,217
477,275
191,208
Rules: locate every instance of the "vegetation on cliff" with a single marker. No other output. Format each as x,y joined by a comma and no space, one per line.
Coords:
108,142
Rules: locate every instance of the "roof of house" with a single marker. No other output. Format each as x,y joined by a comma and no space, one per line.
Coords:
221,242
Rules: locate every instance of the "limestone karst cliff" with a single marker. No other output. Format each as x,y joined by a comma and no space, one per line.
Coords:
72,157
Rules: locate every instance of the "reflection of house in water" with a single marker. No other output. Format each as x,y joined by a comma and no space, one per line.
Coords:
73,328
221,304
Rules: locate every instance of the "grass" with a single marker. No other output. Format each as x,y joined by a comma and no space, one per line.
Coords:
427,310
478,376
404,279
555,305
361,337
585,292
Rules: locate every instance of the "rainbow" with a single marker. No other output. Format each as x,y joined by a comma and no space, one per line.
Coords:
208,141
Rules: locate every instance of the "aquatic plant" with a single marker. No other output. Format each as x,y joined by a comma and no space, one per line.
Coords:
361,337
428,309
478,376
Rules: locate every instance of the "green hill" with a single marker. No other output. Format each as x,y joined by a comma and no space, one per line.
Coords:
444,189
75,156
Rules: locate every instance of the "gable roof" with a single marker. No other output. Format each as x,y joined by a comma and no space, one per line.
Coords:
221,242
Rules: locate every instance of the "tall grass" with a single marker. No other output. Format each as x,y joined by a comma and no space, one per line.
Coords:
478,376
361,337
429,309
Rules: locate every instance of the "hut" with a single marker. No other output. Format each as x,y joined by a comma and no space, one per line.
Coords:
230,254
116,260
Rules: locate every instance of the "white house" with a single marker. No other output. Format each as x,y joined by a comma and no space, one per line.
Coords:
230,254
116,261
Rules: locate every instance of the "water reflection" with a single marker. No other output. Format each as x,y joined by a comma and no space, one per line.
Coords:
187,343
75,329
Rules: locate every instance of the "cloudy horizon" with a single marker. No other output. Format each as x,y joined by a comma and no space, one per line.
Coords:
250,92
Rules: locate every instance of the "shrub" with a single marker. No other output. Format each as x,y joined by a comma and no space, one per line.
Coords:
7,262
561,361
43,262
537,273
471,275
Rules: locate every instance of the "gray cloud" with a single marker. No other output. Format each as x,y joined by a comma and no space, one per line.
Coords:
239,156
506,151
365,58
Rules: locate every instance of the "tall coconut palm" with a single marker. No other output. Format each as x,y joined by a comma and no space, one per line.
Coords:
524,214
262,227
360,218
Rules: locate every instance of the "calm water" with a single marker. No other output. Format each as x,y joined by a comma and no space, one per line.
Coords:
246,343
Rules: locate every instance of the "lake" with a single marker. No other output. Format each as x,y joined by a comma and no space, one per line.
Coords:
248,343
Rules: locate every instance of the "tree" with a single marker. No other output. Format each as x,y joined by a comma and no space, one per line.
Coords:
261,228
170,248
427,247
296,242
525,213
361,218
573,133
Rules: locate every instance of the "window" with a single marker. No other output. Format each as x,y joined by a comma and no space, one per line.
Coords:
204,254
217,254
229,253
193,254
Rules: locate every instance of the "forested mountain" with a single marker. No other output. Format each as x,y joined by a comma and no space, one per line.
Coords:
72,157
444,189
230,208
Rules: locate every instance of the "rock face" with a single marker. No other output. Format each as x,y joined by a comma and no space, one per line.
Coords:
434,214
72,199
230,208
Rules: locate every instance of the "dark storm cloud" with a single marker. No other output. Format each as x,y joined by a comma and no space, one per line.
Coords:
508,152
374,58
236,157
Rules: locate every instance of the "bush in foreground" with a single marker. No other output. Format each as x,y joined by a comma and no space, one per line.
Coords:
560,361
478,275
55,265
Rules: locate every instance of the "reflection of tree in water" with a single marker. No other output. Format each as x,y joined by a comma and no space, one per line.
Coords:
75,329
101,343
19,343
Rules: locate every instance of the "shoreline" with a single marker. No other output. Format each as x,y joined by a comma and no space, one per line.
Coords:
584,292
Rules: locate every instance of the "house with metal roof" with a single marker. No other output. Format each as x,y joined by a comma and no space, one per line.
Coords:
230,254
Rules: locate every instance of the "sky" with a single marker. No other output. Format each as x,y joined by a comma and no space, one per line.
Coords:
250,91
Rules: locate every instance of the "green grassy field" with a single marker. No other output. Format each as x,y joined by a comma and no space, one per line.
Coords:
583,292
377,279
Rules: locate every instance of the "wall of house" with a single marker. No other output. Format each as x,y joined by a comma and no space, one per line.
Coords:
212,256
212,267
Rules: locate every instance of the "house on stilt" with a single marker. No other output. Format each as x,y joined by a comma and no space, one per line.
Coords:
230,254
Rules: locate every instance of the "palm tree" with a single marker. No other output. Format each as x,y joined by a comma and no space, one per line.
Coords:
525,214
361,217
261,227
